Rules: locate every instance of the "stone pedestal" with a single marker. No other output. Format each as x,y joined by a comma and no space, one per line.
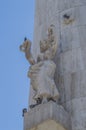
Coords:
49,116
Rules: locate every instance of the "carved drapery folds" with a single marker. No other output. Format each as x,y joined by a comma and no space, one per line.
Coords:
42,72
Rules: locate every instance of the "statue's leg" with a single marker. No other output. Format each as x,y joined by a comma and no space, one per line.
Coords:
44,100
51,99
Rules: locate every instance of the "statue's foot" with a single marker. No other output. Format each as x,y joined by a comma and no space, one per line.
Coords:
44,100
38,101
51,99
32,106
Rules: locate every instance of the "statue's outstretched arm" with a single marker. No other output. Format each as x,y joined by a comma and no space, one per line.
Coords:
26,48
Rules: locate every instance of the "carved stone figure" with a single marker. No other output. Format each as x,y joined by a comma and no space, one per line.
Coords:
42,80
26,48
42,72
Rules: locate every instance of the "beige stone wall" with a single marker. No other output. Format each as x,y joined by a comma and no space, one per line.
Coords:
71,54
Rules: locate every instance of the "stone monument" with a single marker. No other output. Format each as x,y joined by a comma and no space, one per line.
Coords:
46,94
59,46
42,69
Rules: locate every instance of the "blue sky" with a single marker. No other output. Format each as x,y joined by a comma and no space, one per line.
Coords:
16,22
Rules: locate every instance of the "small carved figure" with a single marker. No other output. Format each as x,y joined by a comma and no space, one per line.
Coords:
26,48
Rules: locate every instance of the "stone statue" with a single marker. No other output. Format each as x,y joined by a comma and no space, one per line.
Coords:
26,48
42,72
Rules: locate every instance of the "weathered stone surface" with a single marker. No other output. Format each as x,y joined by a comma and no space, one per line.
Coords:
77,110
63,5
82,38
73,39
71,61
47,112
69,39
72,85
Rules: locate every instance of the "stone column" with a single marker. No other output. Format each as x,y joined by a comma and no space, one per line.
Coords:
49,115
72,61
69,18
